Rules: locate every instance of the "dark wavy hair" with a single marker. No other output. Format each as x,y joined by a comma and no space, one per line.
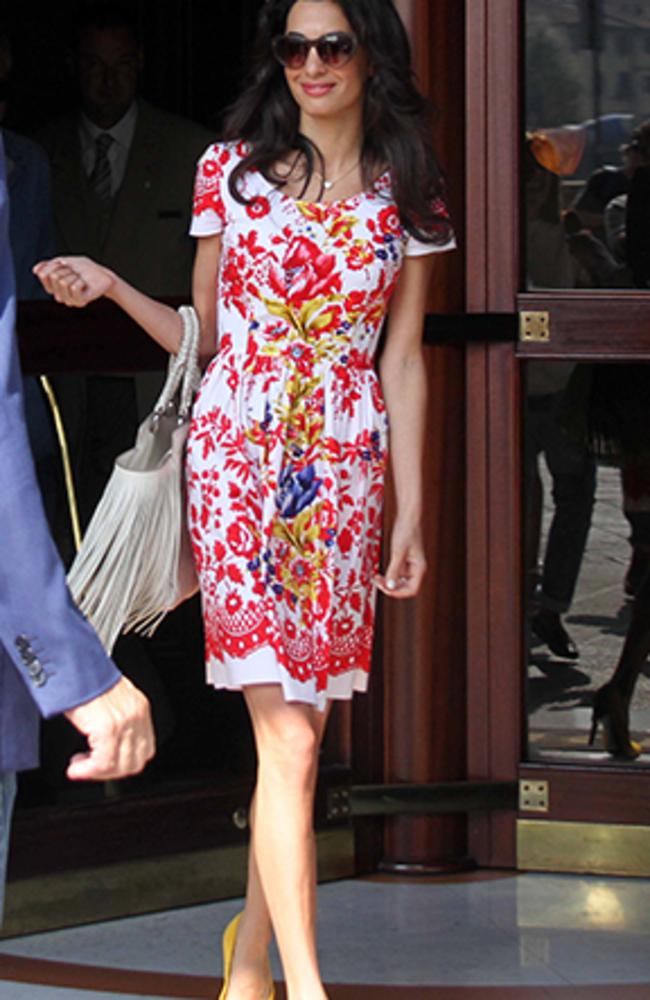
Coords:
397,123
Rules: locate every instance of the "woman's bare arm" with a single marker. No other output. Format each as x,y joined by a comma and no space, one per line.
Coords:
77,281
403,380
204,291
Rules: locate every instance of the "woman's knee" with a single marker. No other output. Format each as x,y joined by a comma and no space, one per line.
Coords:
290,747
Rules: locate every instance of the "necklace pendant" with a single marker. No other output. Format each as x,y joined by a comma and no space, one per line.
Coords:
328,185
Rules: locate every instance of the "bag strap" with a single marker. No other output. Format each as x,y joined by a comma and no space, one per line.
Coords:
183,372
191,371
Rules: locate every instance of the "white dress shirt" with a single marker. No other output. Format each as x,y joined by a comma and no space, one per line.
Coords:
118,153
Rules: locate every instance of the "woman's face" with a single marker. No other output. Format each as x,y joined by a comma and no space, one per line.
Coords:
321,91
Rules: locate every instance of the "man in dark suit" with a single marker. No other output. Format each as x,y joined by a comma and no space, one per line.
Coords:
122,169
122,178
51,661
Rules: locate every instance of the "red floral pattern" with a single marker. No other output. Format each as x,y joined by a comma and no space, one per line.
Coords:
288,445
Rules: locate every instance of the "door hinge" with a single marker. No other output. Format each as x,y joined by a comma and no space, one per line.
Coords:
338,803
535,327
533,796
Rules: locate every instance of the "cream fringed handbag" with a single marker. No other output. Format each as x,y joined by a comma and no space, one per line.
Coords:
135,562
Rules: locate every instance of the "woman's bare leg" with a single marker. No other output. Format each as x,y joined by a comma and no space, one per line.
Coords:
287,737
250,976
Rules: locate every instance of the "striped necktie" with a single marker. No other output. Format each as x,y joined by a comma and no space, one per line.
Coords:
100,178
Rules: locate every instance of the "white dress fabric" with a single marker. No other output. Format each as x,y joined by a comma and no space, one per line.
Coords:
288,445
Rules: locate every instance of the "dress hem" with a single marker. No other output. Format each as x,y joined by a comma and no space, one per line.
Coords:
218,676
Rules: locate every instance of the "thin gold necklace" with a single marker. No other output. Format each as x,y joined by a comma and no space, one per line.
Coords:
328,185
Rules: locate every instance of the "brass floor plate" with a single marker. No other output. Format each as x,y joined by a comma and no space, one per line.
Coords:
138,887
591,848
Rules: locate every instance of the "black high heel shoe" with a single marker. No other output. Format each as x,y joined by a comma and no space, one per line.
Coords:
611,709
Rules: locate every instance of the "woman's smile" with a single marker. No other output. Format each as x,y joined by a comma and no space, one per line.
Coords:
317,89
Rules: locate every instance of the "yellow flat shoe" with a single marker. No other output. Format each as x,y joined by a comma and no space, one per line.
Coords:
228,947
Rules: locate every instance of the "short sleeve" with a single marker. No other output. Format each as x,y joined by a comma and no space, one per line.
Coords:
442,234
210,191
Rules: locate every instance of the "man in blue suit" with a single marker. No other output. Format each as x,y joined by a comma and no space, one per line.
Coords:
51,661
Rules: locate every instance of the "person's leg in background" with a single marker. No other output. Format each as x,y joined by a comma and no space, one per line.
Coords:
635,483
573,471
533,500
612,700
7,796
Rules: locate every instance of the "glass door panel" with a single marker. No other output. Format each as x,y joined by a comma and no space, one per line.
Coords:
586,481
587,558
587,147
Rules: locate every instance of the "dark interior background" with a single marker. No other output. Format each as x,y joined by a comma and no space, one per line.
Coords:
195,56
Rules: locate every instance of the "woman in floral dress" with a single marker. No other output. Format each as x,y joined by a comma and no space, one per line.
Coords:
322,207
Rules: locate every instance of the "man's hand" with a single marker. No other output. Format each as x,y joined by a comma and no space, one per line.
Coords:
117,725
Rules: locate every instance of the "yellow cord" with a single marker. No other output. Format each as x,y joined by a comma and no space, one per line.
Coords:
65,458
111,788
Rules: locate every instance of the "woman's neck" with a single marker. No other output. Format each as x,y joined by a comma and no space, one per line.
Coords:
340,142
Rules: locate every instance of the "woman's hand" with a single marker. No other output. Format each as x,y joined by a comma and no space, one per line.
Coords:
407,564
75,281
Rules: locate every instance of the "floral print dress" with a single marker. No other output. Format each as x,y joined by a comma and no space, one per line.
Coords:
288,445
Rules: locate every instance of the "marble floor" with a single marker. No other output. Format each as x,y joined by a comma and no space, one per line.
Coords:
486,935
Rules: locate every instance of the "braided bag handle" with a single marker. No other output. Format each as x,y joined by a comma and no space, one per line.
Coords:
183,372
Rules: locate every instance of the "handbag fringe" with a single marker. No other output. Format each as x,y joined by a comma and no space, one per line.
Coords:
133,542
132,567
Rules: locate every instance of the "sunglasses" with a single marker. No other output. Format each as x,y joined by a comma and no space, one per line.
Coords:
335,49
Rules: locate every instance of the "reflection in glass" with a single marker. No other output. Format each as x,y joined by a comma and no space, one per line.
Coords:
588,142
587,556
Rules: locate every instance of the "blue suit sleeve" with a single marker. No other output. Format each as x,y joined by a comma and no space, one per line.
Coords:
46,638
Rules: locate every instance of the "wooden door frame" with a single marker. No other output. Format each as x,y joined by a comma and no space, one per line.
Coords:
582,322
492,125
